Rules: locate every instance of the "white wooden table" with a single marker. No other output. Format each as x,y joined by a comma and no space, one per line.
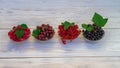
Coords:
53,54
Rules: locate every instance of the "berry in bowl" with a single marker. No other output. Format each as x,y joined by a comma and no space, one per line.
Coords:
94,31
43,32
68,31
19,33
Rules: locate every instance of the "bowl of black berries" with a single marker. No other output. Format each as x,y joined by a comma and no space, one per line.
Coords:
43,32
94,32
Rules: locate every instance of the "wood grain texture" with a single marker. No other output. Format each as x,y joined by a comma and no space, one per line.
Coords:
81,62
54,17
53,54
54,48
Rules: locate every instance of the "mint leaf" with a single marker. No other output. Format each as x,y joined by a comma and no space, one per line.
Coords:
36,32
88,28
67,24
19,33
24,26
99,20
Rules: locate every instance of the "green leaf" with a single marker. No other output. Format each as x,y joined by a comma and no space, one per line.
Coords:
62,23
36,32
84,26
72,24
24,26
88,28
99,20
19,33
104,21
67,24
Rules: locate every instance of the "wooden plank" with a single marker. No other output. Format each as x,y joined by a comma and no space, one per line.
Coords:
108,46
59,12
53,54
79,15
36,4
82,62
33,23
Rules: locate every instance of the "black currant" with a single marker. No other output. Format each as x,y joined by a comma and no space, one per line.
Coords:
96,34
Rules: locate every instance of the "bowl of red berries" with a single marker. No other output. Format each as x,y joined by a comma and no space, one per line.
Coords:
19,33
68,31
43,32
94,31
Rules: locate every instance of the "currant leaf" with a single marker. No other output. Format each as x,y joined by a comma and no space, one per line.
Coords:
36,32
84,26
99,20
19,33
104,21
88,28
24,26
67,24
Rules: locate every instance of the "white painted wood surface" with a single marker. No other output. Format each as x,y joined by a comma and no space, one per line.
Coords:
53,54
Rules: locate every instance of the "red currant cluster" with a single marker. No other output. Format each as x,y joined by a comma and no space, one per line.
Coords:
43,32
19,33
68,32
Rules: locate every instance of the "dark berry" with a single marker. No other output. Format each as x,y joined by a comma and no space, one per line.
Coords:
46,32
96,34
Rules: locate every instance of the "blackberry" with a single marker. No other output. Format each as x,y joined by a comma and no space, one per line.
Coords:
96,34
